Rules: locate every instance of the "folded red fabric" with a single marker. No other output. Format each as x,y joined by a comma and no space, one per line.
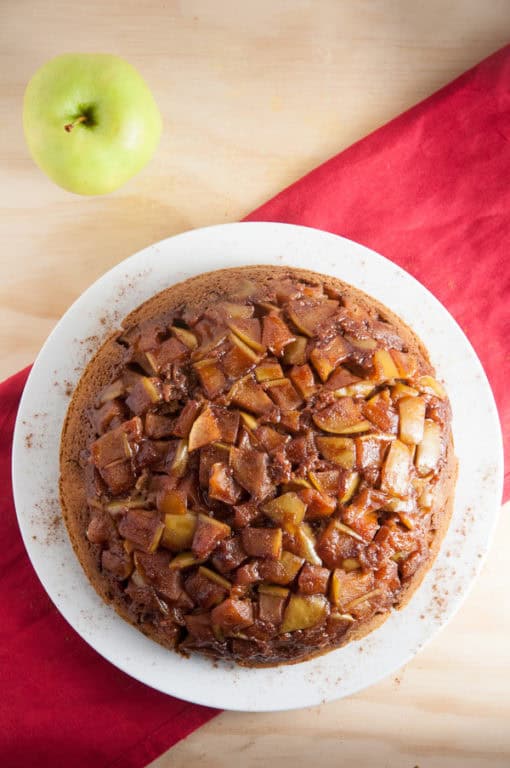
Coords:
62,704
430,191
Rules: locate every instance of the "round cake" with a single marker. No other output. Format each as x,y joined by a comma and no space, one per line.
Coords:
258,466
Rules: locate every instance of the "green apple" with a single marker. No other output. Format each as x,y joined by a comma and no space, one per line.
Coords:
90,121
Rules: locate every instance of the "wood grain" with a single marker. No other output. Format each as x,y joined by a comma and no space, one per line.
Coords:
253,95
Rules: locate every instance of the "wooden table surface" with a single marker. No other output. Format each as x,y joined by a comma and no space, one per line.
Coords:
253,95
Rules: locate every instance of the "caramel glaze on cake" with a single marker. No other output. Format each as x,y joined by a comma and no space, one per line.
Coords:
258,466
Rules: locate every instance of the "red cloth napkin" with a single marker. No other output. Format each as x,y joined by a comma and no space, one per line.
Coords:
61,703
429,190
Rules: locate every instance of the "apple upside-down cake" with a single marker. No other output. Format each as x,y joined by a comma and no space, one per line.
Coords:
258,465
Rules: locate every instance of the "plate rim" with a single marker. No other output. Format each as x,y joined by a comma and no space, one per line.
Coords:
217,230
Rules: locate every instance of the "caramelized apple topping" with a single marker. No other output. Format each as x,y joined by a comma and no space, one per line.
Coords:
265,473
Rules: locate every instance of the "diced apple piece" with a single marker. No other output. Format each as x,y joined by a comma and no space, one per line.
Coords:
199,627
363,599
143,528
214,577
339,450
208,533
262,542
112,391
384,366
166,353
108,416
154,454
117,561
99,529
116,444
342,378
358,389
152,569
212,337
185,336
431,386
229,554
313,291
288,566
205,589
369,449
222,485
240,358
295,352
228,423
287,508
245,514
249,395
185,560
346,587
412,419
179,531
313,580
318,505
248,574
337,542
268,370
296,484
406,363
303,612
364,344
325,357
286,289
283,394
309,314
305,541
251,471
361,515
426,498
349,486
244,289
157,426
186,417
270,439
205,430
249,421
347,530
396,470
276,335
249,332
209,455
118,476
211,376
237,311
302,378
180,459
380,411
111,447
233,615
172,502
326,481
344,416
290,420
271,604
302,450
428,451
402,390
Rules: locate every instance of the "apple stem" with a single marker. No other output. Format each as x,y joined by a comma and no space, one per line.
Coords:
69,127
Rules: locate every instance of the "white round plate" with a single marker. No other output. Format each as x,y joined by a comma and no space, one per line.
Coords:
36,467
